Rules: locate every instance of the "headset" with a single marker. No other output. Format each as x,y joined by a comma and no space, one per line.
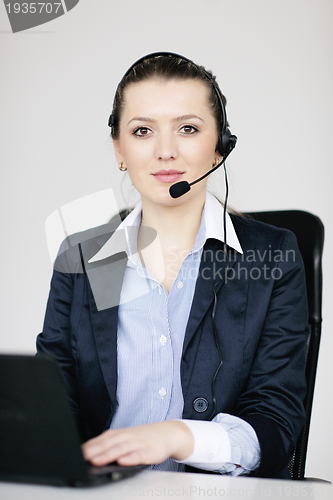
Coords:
226,143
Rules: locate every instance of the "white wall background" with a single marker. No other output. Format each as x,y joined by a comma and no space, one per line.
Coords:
273,60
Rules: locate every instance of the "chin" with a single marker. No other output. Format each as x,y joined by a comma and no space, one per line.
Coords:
168,201
162,196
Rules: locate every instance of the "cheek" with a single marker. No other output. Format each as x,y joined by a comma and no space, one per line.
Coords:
135,153
137,168
201,151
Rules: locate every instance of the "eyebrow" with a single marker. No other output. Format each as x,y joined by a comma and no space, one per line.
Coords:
178,119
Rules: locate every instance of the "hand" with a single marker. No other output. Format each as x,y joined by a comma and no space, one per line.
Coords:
144,444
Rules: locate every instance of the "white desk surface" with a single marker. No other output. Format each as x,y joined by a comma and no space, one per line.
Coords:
173,485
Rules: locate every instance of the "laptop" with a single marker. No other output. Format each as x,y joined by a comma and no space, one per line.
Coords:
39,441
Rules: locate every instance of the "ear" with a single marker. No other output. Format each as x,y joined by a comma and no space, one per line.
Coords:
117,151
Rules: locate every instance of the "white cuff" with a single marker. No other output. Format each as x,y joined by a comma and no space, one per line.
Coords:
211,444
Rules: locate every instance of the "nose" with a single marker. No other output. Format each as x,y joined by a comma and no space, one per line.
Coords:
166,147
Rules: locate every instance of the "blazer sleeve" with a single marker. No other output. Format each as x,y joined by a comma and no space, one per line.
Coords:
56,339
273,399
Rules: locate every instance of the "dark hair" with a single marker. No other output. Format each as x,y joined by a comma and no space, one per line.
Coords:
168,68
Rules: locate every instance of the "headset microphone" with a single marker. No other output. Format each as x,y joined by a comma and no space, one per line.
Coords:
182,187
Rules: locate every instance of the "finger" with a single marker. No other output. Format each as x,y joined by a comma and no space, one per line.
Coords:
137,457
115,452
101,443
112,449
106,437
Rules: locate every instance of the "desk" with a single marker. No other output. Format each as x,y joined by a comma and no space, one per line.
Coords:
174,485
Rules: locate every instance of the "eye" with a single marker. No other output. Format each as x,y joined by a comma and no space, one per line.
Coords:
189,129
141,132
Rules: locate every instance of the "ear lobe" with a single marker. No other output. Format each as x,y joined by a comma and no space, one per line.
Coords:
218,155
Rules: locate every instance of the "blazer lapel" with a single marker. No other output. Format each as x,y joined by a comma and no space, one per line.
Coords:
213,267
212,272
105,279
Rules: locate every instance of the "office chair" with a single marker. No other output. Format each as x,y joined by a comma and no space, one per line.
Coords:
309,232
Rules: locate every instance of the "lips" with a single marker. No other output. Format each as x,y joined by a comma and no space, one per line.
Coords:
168,175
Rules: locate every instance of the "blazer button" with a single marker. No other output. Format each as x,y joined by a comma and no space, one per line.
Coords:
200,405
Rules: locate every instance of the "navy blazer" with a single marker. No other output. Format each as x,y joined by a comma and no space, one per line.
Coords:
261,322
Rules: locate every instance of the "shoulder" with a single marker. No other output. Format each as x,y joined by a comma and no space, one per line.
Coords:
268,245
255,233
84,243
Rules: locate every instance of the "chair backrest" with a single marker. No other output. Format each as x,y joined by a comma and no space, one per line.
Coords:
309,232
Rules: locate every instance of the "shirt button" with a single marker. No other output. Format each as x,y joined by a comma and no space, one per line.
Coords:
163,339
162,392
180,284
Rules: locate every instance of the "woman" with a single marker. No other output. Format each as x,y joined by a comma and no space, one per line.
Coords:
175,351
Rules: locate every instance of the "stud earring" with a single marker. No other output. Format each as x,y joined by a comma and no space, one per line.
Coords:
216,162
123,169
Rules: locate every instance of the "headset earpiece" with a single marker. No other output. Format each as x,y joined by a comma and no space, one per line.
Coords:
226,143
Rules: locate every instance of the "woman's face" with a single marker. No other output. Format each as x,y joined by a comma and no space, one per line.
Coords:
167,134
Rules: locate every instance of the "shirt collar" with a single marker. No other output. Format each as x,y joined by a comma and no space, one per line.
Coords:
124,237
213,213
129,228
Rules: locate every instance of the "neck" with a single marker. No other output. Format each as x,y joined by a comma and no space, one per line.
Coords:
175,225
